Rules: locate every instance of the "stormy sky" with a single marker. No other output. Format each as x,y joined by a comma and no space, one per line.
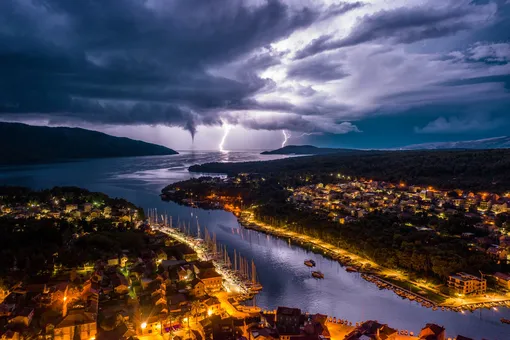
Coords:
367,74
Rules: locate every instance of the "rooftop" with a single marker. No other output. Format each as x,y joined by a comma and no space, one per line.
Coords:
288,311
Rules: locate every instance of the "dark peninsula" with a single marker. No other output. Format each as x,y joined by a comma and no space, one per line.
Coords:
485,170
307,150
24,144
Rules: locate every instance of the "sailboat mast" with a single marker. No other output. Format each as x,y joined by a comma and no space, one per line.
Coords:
235,260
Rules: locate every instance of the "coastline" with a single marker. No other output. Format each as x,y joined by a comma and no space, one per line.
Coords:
380,275
426,294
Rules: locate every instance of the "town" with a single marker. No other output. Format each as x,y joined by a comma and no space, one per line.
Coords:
477,224
353,199
66,203
174,285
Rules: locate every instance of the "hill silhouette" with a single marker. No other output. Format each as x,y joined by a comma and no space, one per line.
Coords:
22,144
306,150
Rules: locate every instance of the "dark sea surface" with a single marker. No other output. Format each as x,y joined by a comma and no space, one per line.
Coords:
286,281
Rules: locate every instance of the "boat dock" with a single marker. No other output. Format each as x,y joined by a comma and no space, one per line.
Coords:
381,283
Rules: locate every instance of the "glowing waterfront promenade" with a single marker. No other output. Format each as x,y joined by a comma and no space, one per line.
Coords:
457,304
231,281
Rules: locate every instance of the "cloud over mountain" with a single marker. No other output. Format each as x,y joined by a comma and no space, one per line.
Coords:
318,67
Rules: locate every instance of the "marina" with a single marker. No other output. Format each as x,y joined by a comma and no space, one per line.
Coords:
239,275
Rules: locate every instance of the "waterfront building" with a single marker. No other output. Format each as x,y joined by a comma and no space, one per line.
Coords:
211,279
288,322
465,284
432,332
372,330
461,337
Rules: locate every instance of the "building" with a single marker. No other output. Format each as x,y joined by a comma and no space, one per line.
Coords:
212,305
123,261
113,261
10,335
288,322
484,205
197,288
71,207
372,330
499,207
24,317
465,284
211,279
161,256
432,332
497,253
503,280
120,283
223,329
87,207
263,334
461,337
79,323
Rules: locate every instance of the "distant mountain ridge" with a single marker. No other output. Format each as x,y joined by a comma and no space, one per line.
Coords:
479,144
306,150
502,142
22,144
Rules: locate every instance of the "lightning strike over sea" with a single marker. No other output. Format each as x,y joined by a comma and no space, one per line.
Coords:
286,137
225,134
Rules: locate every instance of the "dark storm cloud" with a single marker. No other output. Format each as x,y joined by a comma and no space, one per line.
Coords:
125,62
317,69
297,123
341,8
403,25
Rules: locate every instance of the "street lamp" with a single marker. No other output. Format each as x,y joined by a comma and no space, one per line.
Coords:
143,325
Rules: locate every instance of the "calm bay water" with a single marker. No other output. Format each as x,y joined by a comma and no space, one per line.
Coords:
286,281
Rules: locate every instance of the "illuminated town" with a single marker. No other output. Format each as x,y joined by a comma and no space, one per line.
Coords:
350,200
174,285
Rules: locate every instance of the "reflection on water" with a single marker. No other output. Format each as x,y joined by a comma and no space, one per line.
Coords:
279,263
